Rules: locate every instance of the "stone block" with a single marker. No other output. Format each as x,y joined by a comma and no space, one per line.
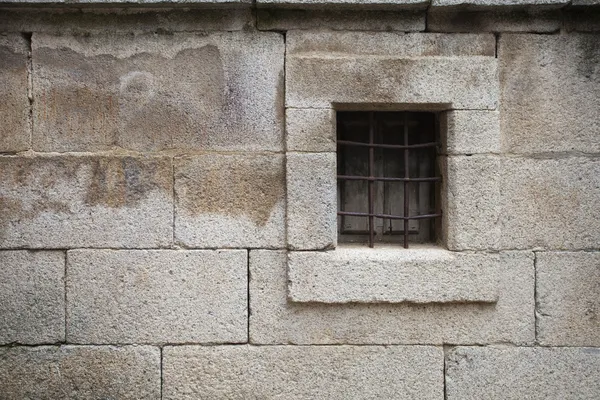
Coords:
336,19
495,20
470,132
475,4
227,201
550,93
318,81
310,129
347,4
157,296
99,92
522,373
582,19
568,305
32,297
311,201
14,108
80,372
275,320
137,3
392,275
401,45
471,202
302,372
550,203
85,201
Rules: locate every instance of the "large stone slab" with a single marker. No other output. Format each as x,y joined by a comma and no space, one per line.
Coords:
32,297
85,201
392,275
492,19
310,129
303,372
470,132
275,320
80,372
226,201
522,373
550,92
346,4
475,4
159,296
550,203
568,305
14,107
221,91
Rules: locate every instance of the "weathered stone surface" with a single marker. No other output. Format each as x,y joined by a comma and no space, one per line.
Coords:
104,91
379,4
498,20
522,373
389,44
80,372
303,372
471,202
137,3
470,132
568,305
577,3
311,200
225,201
319,81
582,19
310,129
550,203
275,320
158,296
92,201
14,107
392,275
32,297
498,3
550,90
366,20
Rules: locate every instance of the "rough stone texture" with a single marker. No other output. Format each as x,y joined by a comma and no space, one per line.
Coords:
498,3
137,3
14,107
311,201
550,203
32,297
577,3
104,91
310,129
300,372
368,20
471,203
80,372
470,132
519,20
568,304
378,4
225,201
392,275
582,19
159,296
274,320
91,201
550,90
522,373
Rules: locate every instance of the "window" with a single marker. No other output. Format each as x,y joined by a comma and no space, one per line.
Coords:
388,179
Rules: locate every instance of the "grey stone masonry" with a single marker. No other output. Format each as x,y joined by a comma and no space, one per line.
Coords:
303,373
310,130
234,200
14,107
80,372
108,91
32,297
514,373
477,4
550,91
568,301
86,201
470,132
275,320
157,296
376,4
494,19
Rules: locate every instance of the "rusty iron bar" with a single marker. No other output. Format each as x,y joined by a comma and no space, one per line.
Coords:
389,146
406,177
387,179
371,182
389,216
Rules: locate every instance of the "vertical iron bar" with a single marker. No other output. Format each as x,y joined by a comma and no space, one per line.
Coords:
406,175
371,182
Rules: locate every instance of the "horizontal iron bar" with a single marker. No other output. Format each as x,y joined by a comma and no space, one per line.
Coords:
386,216
388,146
385,179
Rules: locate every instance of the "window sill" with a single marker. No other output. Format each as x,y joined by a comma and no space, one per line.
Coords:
386,274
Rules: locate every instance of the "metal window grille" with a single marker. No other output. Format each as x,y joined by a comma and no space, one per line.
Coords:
388,180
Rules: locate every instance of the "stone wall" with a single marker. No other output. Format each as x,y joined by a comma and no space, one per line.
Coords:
168,201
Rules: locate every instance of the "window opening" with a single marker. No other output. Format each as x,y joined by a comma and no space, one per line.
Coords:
388,179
